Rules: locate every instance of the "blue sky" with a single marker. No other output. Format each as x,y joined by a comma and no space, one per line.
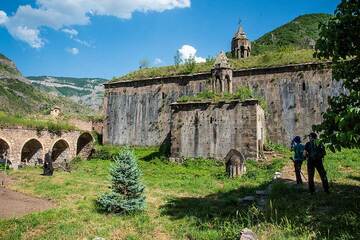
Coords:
89,38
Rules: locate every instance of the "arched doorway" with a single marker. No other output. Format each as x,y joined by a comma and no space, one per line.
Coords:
228,87
218,85
4,152
60,152
84,145
31,153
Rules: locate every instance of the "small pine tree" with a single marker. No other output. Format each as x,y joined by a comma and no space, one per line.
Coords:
127,193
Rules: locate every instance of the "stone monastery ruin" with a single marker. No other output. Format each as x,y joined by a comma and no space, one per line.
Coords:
144,112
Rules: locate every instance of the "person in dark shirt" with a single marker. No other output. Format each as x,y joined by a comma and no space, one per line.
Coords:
298,158
315,152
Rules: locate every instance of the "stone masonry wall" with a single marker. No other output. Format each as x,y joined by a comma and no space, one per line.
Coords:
138,111
212,129
17,137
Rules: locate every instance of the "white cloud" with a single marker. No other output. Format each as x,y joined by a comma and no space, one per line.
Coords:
29,35
73,35
158,61
82,42
71,32
73,51
3,17
187,51
62,14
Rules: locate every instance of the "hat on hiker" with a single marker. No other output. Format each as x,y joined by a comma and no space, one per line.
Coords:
313,135
297,139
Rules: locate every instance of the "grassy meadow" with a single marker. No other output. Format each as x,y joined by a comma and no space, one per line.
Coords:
194,200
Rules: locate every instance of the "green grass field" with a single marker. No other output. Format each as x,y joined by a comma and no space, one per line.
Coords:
190,201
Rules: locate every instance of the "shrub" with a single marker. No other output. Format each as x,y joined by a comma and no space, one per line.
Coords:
190,65
127,193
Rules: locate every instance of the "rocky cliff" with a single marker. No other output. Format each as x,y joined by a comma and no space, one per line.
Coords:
87,91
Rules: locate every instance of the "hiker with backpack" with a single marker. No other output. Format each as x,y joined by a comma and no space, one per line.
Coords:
298,158
315,153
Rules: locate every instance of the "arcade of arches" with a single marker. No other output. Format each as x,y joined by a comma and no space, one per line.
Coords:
19,147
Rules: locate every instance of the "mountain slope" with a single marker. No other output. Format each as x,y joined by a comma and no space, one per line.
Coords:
300,33
8,69
18,96
87,91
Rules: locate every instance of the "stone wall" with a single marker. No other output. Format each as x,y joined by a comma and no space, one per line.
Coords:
138,111
29,146
211,130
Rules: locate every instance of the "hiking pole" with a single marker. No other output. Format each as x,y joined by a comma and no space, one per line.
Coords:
303,175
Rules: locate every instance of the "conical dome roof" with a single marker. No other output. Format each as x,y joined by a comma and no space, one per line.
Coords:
240,34
221,61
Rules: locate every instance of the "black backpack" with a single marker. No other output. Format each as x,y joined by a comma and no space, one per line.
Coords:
317,151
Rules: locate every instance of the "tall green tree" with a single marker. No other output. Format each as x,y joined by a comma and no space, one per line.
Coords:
127,193
340,42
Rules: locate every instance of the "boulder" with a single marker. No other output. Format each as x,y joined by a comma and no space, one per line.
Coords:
247,234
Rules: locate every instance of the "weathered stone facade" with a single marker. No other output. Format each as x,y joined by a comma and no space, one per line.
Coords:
138,111
240,45
22,146
206,129
222,75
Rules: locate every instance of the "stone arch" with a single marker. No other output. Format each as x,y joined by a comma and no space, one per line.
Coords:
60,151
242,52
84,145
217,85
4,151
32,152
228,84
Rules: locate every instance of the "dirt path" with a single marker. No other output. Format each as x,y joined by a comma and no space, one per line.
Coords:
15,204
288,176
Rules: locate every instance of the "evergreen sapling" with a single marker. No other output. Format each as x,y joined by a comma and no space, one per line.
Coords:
127,193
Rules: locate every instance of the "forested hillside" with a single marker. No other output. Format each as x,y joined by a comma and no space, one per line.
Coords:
300,33
18,96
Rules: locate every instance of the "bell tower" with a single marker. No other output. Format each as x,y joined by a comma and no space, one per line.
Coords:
240,44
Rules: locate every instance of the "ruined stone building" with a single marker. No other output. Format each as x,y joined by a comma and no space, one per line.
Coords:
55,112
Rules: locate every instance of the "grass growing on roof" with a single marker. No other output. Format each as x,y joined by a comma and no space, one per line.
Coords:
284,56
241,94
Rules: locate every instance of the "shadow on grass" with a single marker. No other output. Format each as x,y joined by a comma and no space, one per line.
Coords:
163,152
329,216
355,178
222,205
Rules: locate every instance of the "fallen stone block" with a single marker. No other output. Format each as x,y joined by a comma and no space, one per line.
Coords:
247,234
